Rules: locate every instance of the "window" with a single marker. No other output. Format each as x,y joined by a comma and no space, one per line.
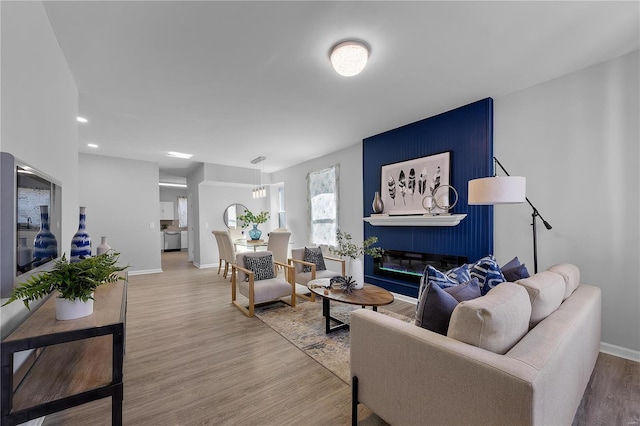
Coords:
282,217
322,193
182,212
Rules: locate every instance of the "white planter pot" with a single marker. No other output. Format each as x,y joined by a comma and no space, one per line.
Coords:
356,270
73,309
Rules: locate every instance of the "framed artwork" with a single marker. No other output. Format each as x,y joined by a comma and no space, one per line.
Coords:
405,184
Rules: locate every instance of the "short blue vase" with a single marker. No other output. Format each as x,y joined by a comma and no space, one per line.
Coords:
255,233
45,245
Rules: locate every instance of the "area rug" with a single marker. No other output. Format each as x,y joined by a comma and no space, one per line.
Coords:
304,326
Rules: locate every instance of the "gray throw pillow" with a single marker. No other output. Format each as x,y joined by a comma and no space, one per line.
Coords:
465,291
261,266
436,304
313,255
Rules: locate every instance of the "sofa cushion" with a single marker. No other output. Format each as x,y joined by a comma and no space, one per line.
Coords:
495,322
488,273
571,275
545,290
313,255
436,304
261,266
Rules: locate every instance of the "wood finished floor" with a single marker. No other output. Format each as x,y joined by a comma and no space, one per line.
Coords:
194,359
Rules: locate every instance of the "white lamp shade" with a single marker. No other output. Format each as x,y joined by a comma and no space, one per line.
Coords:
349,58
497,190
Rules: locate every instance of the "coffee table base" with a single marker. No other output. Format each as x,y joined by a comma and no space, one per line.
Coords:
326,313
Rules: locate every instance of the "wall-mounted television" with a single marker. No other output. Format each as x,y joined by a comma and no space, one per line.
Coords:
30,222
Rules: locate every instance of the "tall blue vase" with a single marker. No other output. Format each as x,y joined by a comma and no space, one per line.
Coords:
45,245
255,233
81,241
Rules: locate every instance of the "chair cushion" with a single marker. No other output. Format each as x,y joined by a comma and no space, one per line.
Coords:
545,290
313,255
304,277
488,273
436,304
266,290
495,322
261,266
571,275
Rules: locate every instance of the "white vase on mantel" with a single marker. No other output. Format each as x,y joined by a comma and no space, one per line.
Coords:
356,271
72,309
103,247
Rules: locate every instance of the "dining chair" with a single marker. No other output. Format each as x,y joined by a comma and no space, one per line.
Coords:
226,250
278,244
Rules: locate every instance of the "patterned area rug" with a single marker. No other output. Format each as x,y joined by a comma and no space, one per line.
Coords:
304,326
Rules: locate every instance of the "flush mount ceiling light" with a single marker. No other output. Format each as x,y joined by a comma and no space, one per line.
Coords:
349,57
92,145
179,155
81,119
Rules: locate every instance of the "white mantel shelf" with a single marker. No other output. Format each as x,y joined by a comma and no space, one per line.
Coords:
417,220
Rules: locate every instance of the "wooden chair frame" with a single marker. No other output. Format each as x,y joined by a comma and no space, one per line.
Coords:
292,263
249,311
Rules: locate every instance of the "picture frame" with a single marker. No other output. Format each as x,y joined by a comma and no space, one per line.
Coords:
405,184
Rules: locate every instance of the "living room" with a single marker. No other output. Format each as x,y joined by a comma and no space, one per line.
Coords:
574,136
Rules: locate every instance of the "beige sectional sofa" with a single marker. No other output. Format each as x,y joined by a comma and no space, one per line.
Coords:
495,371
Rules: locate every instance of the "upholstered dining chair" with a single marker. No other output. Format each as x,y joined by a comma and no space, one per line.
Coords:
226,250
254,276
278,244
309,265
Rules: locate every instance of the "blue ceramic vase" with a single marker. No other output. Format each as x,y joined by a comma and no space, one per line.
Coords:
81,241
45,245
255,233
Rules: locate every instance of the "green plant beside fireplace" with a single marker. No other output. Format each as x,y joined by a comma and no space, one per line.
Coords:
346,247
73,280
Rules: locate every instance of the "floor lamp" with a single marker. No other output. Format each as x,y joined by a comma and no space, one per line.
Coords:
505,190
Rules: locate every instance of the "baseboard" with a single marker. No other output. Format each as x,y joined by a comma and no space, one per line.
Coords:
405,298
619,351
206,265
145,272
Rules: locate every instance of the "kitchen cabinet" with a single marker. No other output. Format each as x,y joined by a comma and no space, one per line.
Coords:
166,210
184,239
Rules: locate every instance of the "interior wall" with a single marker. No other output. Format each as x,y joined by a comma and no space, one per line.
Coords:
350,193
39,109
171,194
129,219
575,139
467,134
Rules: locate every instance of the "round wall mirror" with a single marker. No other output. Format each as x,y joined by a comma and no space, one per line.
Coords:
231,214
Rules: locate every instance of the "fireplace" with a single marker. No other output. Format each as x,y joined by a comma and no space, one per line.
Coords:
409,266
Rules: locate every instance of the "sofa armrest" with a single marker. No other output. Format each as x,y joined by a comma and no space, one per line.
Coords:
409,375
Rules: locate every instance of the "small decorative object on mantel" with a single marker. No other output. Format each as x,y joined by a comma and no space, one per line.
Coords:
439,199
249,218
75,281
377,205
45,246
346,248
103,247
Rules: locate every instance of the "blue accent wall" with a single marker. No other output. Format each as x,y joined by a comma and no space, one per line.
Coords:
466,132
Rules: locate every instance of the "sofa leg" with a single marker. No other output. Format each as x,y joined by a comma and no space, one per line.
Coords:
354,401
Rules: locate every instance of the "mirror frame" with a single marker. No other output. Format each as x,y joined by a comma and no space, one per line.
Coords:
225,215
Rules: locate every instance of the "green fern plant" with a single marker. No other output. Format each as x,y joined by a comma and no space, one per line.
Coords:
73,280
346,247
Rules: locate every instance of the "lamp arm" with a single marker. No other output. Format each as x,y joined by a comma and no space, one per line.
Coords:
536,213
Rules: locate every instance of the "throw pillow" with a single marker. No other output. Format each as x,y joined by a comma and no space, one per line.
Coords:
450,278
435,308
465,291
516,273
261,266
511,264
488,273
313,255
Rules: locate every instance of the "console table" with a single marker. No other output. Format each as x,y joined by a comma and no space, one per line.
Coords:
77,361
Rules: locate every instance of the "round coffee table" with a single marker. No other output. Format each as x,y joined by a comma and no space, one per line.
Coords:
369,295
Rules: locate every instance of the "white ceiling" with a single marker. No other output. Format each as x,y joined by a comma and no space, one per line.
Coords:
229,81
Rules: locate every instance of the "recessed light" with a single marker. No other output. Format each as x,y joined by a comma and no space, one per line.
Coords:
92,145
82,120
179,155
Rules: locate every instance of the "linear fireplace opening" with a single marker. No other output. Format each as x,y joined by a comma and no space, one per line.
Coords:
409,266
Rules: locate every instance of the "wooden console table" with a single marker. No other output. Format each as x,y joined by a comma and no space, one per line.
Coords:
77,361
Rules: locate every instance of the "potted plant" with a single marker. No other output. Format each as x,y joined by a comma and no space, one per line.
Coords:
347,248
75,281
249,218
